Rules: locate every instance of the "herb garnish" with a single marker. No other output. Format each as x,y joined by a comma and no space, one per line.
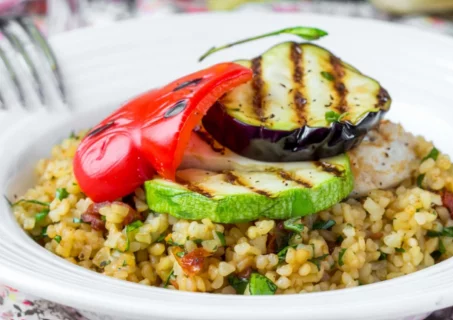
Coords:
181,254
328,76
105,263
340,257
170,276
40,216
445,232
317,261
323,225
332,116
433,154
57,238
221,238
420,180
400,250
61,194
282,253
77,220
261,285
292,225
239,284
41,203
383,256
442,249
306,33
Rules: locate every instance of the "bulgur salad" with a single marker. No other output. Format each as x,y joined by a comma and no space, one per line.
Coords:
274,175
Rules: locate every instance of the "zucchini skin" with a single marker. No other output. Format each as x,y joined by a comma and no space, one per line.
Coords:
305,143
165,196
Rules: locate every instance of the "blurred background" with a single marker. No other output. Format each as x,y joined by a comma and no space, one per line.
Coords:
55,16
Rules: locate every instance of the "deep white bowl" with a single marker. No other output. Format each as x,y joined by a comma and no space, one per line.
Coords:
106,65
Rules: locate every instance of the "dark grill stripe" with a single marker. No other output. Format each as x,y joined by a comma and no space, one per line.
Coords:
231,178
329,168
287,176
338,73
257,85
299,100
194,188
206,137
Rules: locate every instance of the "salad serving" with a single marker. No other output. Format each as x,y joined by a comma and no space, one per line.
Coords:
270,175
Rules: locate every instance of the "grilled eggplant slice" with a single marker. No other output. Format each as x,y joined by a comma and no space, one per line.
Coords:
284,113
237,196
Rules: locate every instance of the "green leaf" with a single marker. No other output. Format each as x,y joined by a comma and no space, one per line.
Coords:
433,154
161,238
77,220
306,33
171,275
239,284
327,75
44,232
317,261
221,237
433,233
383,256
340,257
44,204
57,238
261,285
103,218
339,239
198,241
282,253
134,226
323,225
61,194
447,232
420,180
400,250
72,135
124,263
332,116
292,225
40,216
442,249
181,254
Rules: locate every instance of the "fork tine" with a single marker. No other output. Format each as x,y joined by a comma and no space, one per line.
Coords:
13,77
18,44
39,40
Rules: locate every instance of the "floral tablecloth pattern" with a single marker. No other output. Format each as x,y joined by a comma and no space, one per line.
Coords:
15,305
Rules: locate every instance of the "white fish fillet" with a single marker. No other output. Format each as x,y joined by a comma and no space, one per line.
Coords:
383,158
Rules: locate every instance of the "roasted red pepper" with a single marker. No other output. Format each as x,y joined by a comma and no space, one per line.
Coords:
149,134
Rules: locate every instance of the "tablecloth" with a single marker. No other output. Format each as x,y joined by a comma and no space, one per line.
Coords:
19,305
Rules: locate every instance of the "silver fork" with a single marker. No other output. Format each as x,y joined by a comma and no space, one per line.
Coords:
30,78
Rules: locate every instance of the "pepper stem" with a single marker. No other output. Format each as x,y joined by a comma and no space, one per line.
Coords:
306,33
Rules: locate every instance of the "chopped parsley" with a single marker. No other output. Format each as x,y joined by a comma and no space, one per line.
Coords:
400,250
282,253
442,249
40,216
323,225
44,232
340,257
161,238
445,232
57,238
420,180
261,285
180,254
332,116
169,278
339,239
77,220
198,241
239,284
294,225
124,263
134,226
103,218
317,261
61,194
383,256
433,154
327,75
221,238
41,203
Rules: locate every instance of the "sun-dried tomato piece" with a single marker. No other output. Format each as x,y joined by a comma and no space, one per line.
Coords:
193,262
447,201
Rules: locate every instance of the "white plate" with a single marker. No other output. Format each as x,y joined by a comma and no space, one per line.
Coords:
107,65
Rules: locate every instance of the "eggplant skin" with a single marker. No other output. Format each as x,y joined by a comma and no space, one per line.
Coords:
306,143
280,115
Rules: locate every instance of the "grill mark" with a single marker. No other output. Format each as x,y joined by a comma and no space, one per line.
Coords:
338,73
194,188
285,175
183,85
299,100
231,178
329,168
100,129
257,86
206,137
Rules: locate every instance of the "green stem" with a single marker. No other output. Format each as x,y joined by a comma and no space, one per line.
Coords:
306,33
